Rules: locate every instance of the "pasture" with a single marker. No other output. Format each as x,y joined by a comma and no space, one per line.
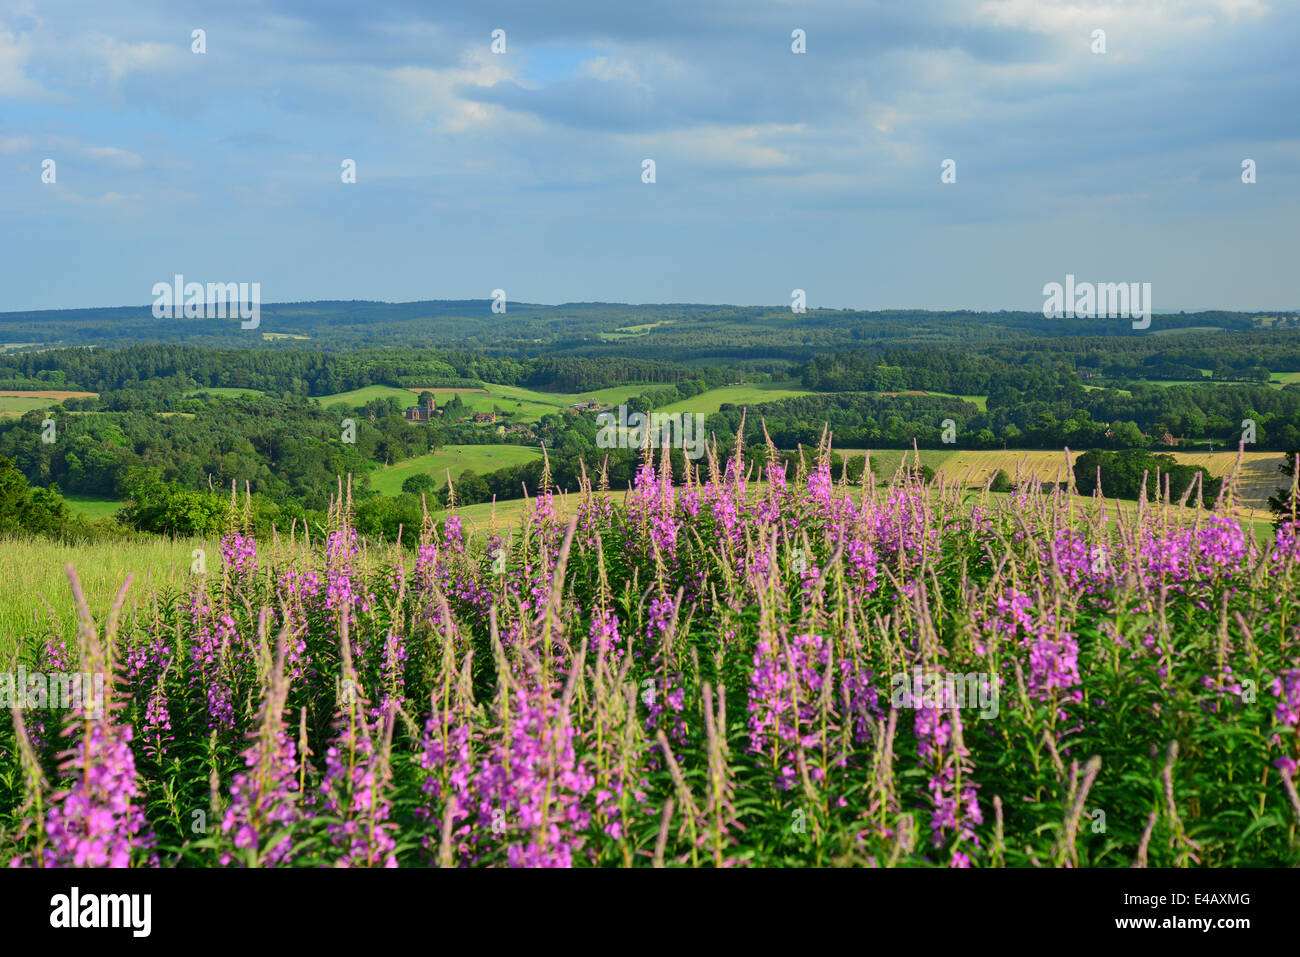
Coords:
456,458
711,401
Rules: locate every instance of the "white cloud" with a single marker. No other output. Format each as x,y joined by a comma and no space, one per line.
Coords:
744,147
427,93
109,198
16,144
1151,19
606,69
14,81
118,157
121,59
111,155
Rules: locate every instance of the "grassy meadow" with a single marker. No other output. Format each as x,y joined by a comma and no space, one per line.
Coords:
34,597
515,404
20,402
88,507
745,395
15,405
225,392
456,458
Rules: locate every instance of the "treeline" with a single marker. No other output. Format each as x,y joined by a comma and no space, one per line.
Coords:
1247,357
1233,357
46,379
1035,401
155,371
857,420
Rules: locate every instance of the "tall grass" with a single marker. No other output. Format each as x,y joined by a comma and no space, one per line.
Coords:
34,594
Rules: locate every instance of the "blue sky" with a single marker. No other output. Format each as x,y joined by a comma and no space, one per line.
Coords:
775,171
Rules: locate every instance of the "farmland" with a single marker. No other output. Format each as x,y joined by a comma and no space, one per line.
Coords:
885,462
514,403
359,397
92,507
225,392
631,332
980,402
13,403
457,459
744,395
1256,481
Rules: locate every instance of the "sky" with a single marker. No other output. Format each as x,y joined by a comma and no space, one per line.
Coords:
774,170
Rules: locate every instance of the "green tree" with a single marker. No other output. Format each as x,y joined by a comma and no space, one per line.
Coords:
24,509
166,508
420,482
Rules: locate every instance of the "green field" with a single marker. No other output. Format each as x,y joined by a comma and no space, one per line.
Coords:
18,405
103,566
92,507
529,405
614,394
224,392
515,403
44,604
744,395
457,458
1169,383
1280,379
500,515
751,395
631,332
980,402
1100,388
359,397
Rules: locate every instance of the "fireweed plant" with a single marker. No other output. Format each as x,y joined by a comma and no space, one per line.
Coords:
711,668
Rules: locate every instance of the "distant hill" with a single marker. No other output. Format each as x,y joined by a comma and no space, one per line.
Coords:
675,332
